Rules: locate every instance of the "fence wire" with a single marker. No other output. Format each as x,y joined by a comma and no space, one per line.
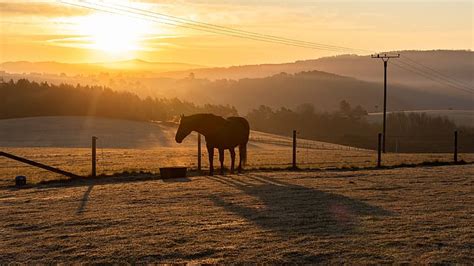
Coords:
264,151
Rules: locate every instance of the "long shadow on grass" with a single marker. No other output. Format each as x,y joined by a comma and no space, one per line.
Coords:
291,209
84,200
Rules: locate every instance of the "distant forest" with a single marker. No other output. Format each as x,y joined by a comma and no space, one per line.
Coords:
348,125
25,99
412,132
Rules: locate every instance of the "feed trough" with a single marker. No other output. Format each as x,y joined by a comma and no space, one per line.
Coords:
20,181
172,172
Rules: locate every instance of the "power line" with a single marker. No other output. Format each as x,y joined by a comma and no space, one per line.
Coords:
437,79
229,30
440,78
164,21
173,21
189,21
430,74
420,73
453,80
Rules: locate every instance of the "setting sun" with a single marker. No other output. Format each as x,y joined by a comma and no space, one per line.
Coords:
113,33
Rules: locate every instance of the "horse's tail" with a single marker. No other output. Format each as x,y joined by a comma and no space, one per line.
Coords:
244,130
243,153
243,146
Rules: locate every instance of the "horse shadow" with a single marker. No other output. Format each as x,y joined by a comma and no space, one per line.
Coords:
294,210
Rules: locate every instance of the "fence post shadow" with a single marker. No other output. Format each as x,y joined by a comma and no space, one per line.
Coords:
84,200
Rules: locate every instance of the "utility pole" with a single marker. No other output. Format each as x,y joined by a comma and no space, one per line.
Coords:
385,59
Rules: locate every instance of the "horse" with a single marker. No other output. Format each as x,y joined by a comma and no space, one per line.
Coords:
223,134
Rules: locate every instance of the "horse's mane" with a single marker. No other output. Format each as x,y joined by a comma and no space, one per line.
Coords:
208,117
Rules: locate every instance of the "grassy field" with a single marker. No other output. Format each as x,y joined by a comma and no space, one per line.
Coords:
136,146
111,161
416,215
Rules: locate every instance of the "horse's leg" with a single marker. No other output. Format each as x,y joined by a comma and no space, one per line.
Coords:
221,159
239,168
210,151
232,160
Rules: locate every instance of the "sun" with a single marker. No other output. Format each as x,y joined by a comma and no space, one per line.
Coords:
114,34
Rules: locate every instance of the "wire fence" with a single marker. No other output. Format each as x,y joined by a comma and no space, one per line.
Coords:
264,151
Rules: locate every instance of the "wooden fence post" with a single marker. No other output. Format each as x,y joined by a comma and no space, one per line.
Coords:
199,153
94,156
294,150
379,151
455,146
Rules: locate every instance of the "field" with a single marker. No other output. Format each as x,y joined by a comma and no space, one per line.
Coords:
416,215
335,214
127,146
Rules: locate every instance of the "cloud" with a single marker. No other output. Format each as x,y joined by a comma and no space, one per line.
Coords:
41,9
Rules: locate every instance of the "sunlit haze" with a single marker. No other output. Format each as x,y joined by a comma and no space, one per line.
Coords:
55,31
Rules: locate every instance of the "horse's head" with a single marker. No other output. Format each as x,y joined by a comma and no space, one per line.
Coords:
184,129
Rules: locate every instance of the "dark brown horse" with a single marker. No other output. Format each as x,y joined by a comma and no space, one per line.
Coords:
223,134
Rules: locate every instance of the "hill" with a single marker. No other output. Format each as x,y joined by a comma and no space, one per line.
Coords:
76,132
356,79
323,90
458,64
135,66
410,70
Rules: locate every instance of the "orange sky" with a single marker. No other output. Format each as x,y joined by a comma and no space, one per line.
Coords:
53,31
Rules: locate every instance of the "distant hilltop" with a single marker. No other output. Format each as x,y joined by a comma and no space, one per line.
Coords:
414,82
455,63
135,65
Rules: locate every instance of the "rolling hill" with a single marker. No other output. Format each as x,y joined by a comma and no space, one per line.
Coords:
323,90
426,71
135,66
323,82
456,64
76,132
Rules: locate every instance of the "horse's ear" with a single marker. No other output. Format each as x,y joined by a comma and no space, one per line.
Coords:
182,116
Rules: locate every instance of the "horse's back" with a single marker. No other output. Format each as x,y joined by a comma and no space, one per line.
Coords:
241,121
241,127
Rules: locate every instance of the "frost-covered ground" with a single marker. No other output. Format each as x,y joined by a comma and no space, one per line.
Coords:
416,215
64,142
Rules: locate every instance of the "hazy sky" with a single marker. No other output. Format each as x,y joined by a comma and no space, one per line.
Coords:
53,31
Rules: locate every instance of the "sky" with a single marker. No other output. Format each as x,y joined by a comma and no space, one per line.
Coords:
51,30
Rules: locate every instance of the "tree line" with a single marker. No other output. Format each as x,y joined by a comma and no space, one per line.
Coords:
406,132
412,132
24,98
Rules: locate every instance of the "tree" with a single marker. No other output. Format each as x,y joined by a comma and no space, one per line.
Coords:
358,112
345,108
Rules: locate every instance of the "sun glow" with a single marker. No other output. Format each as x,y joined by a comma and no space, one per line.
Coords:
113,34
